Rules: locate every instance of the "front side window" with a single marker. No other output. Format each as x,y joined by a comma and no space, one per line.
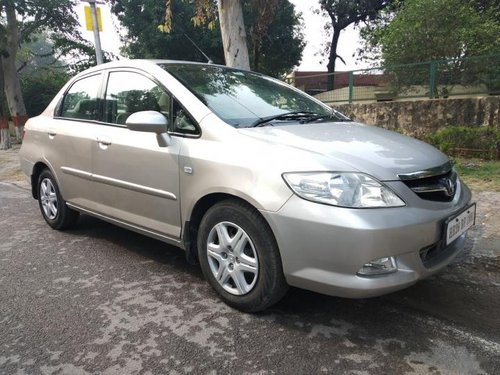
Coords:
182,121
129,92
80,102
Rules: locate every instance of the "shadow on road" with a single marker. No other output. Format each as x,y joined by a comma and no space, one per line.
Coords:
136,243
453,295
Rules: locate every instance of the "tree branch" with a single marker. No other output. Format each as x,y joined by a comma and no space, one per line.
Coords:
32,26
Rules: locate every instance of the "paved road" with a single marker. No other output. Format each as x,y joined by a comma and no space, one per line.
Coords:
100,299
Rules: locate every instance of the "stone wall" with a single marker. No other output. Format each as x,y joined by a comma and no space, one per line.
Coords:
422,117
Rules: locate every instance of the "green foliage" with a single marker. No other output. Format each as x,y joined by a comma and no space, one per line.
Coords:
279,50
445,31
21,24
39,90
423,30
346,12
55,19
144,40
44,15
483,142
48,31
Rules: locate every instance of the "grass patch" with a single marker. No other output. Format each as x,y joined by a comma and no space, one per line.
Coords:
479,175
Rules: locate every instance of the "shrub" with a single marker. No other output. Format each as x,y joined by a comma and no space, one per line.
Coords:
482,142
39,90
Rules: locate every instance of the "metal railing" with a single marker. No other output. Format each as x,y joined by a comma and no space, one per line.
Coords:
470,76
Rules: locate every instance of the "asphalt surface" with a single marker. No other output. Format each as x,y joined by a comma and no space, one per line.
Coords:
103,300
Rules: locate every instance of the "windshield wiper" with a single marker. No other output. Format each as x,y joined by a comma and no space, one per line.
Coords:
333,116
305,116
282,116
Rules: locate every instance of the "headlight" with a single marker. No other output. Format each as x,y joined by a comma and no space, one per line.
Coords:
354,190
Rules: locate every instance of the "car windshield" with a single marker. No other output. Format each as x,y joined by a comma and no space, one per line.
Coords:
246,99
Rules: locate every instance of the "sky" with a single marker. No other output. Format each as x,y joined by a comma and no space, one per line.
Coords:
315,36
313,32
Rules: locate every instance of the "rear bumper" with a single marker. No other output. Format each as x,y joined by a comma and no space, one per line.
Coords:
323,247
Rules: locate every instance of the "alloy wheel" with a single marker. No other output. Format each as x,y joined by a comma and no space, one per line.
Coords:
232,258
48,199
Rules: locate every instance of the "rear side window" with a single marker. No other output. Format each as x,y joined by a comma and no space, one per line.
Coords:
80,101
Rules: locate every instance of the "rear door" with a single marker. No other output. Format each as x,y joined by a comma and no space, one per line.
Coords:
136,181
70,136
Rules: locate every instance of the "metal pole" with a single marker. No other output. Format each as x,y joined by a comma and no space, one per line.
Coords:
432,80
351,86
95,28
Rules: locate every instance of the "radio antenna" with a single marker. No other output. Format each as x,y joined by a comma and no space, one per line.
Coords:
199,49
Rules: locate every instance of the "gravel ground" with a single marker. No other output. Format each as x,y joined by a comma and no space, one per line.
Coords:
9,166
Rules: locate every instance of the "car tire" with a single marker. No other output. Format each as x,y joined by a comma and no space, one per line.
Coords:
52,205
239,256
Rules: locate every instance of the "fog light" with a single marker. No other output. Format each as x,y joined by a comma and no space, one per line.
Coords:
379,266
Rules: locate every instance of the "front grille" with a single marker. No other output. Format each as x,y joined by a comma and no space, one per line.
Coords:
440,188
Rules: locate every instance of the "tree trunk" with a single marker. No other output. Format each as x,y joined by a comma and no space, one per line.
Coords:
4,134
255,58
12,87
332,59
234,37
4,122
14,96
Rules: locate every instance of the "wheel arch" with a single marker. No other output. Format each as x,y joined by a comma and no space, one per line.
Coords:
37,169
191,226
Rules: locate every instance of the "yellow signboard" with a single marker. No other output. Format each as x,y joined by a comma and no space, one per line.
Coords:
88,19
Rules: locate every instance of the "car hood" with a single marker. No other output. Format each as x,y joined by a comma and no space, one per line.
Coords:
369,149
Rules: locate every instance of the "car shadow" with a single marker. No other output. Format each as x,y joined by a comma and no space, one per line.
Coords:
445,296
140,245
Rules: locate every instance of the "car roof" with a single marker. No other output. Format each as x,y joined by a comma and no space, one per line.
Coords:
142,63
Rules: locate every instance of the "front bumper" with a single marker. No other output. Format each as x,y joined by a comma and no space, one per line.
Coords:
323,247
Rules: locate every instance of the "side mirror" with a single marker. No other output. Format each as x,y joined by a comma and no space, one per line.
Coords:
151,122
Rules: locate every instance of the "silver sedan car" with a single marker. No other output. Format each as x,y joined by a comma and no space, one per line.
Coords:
261,184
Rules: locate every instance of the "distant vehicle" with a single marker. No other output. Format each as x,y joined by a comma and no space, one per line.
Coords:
266,186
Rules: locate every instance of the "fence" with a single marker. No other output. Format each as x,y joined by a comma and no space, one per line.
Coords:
461,77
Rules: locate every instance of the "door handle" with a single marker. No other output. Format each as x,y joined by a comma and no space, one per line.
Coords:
51,133
105,141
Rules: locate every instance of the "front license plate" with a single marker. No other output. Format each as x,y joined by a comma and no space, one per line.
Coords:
458,225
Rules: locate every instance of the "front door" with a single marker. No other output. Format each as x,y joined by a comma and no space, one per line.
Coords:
136,181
